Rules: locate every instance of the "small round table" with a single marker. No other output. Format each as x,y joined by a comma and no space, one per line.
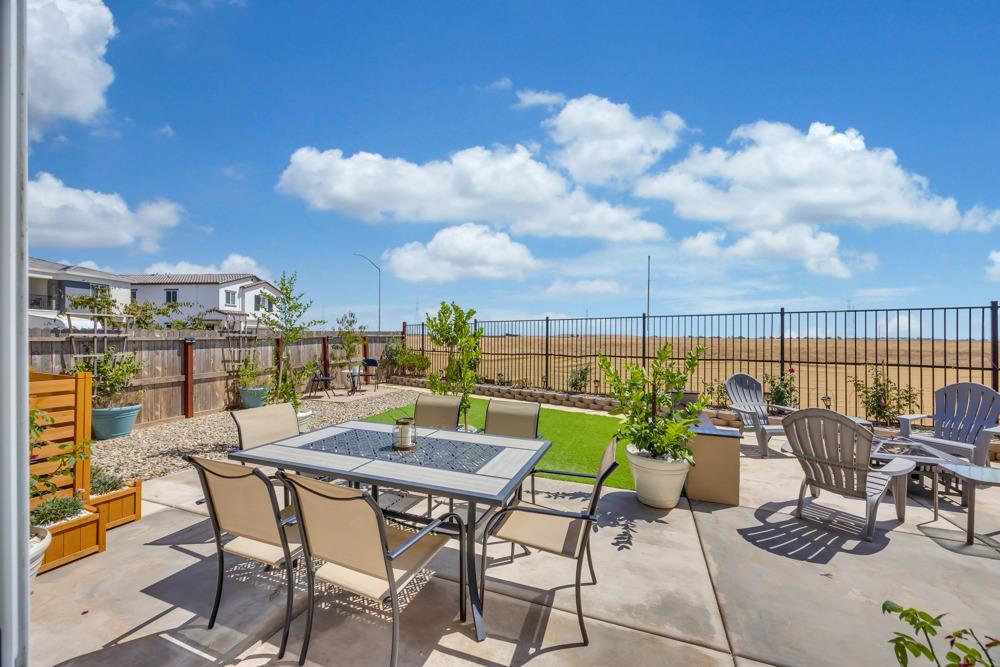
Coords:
972,475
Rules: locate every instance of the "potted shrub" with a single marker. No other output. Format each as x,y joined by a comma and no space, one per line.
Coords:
75,529
115,407
656,428
252,393
287,321
117,501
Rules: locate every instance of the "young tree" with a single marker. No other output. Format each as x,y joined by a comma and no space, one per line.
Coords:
452,329
351,335
287,321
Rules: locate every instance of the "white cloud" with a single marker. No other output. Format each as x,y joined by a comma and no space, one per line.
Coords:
66,71
539,98
235,172
503,83
463,251
778,176
502,186
591,287
816,250
66,217
166,130
993,268
604,142
233,263
90,264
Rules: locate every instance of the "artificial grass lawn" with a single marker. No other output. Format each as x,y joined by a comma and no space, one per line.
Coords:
578,440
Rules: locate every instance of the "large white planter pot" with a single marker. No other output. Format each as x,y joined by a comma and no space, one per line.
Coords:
658,482
305,421
36,551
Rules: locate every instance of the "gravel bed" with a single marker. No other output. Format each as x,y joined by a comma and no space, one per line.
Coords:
158,450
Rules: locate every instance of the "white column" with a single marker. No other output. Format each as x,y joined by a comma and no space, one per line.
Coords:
13,341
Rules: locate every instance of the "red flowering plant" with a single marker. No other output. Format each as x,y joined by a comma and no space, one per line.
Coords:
784,389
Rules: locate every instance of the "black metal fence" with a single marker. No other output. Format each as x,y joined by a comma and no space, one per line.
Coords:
921,348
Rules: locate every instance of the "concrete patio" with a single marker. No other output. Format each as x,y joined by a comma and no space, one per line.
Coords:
701,584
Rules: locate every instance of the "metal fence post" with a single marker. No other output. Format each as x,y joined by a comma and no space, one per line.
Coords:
781,345
645,331
994,356
422,328
548,382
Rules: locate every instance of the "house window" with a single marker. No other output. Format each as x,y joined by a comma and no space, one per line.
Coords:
257,299
171,296
263,302
230,298
97,289
134,295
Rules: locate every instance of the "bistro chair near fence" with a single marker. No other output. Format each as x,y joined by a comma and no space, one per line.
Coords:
346,529
557,532
835,454
242,504
513,419
965,421
371,371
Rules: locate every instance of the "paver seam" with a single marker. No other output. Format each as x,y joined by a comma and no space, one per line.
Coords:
711,580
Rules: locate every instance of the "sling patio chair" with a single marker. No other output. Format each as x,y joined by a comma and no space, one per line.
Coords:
361,553
241,503
557,532
439,412
513,419
746,396
965,421
835,454
263,425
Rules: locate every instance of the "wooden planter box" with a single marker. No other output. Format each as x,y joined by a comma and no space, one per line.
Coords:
75,539
121,506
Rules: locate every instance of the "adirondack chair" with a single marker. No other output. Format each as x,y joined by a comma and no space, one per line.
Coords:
835,454
746,396
965,420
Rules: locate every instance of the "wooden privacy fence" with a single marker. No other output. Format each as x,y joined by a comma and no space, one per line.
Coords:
67,401
190,373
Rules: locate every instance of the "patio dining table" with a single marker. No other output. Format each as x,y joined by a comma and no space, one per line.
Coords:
475,468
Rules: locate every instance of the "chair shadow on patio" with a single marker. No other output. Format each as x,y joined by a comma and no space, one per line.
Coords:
820,535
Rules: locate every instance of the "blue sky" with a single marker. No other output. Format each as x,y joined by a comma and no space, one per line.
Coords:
524,158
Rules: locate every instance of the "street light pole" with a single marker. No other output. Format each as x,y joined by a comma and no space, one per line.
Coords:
379,269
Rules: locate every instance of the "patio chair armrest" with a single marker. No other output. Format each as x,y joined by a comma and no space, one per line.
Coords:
896,467
568,473
992,430
782,408
424,532
546,511
906,422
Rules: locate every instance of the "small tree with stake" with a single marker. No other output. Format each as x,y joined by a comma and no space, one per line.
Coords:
452,329
287,321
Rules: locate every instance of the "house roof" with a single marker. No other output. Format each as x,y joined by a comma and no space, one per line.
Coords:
45,266
189,278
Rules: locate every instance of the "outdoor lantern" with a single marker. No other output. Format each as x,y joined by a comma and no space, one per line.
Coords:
826,401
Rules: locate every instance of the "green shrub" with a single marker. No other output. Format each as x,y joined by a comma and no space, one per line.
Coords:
965,648
882,398
113,376
783,390
55,510
102,482
579,378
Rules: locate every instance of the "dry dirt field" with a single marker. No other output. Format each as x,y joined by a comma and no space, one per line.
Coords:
824,366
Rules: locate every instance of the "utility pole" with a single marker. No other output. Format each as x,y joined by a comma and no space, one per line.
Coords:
379,269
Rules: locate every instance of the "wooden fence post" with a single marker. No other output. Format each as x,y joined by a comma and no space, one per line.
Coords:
188,378
81,422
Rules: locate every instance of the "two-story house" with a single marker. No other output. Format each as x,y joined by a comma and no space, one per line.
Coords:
51,285
217,295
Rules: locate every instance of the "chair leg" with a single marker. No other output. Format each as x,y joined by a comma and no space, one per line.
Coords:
590,564
395,632
430,505
309,611
802,497
218,589
461,576
871,514
482,573
579,603
762,442
899,496
288,608
512,553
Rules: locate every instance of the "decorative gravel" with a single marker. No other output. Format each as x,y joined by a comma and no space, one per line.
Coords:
158,450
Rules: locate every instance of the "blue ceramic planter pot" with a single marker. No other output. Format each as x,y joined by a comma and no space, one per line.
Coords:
114,422
253,397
